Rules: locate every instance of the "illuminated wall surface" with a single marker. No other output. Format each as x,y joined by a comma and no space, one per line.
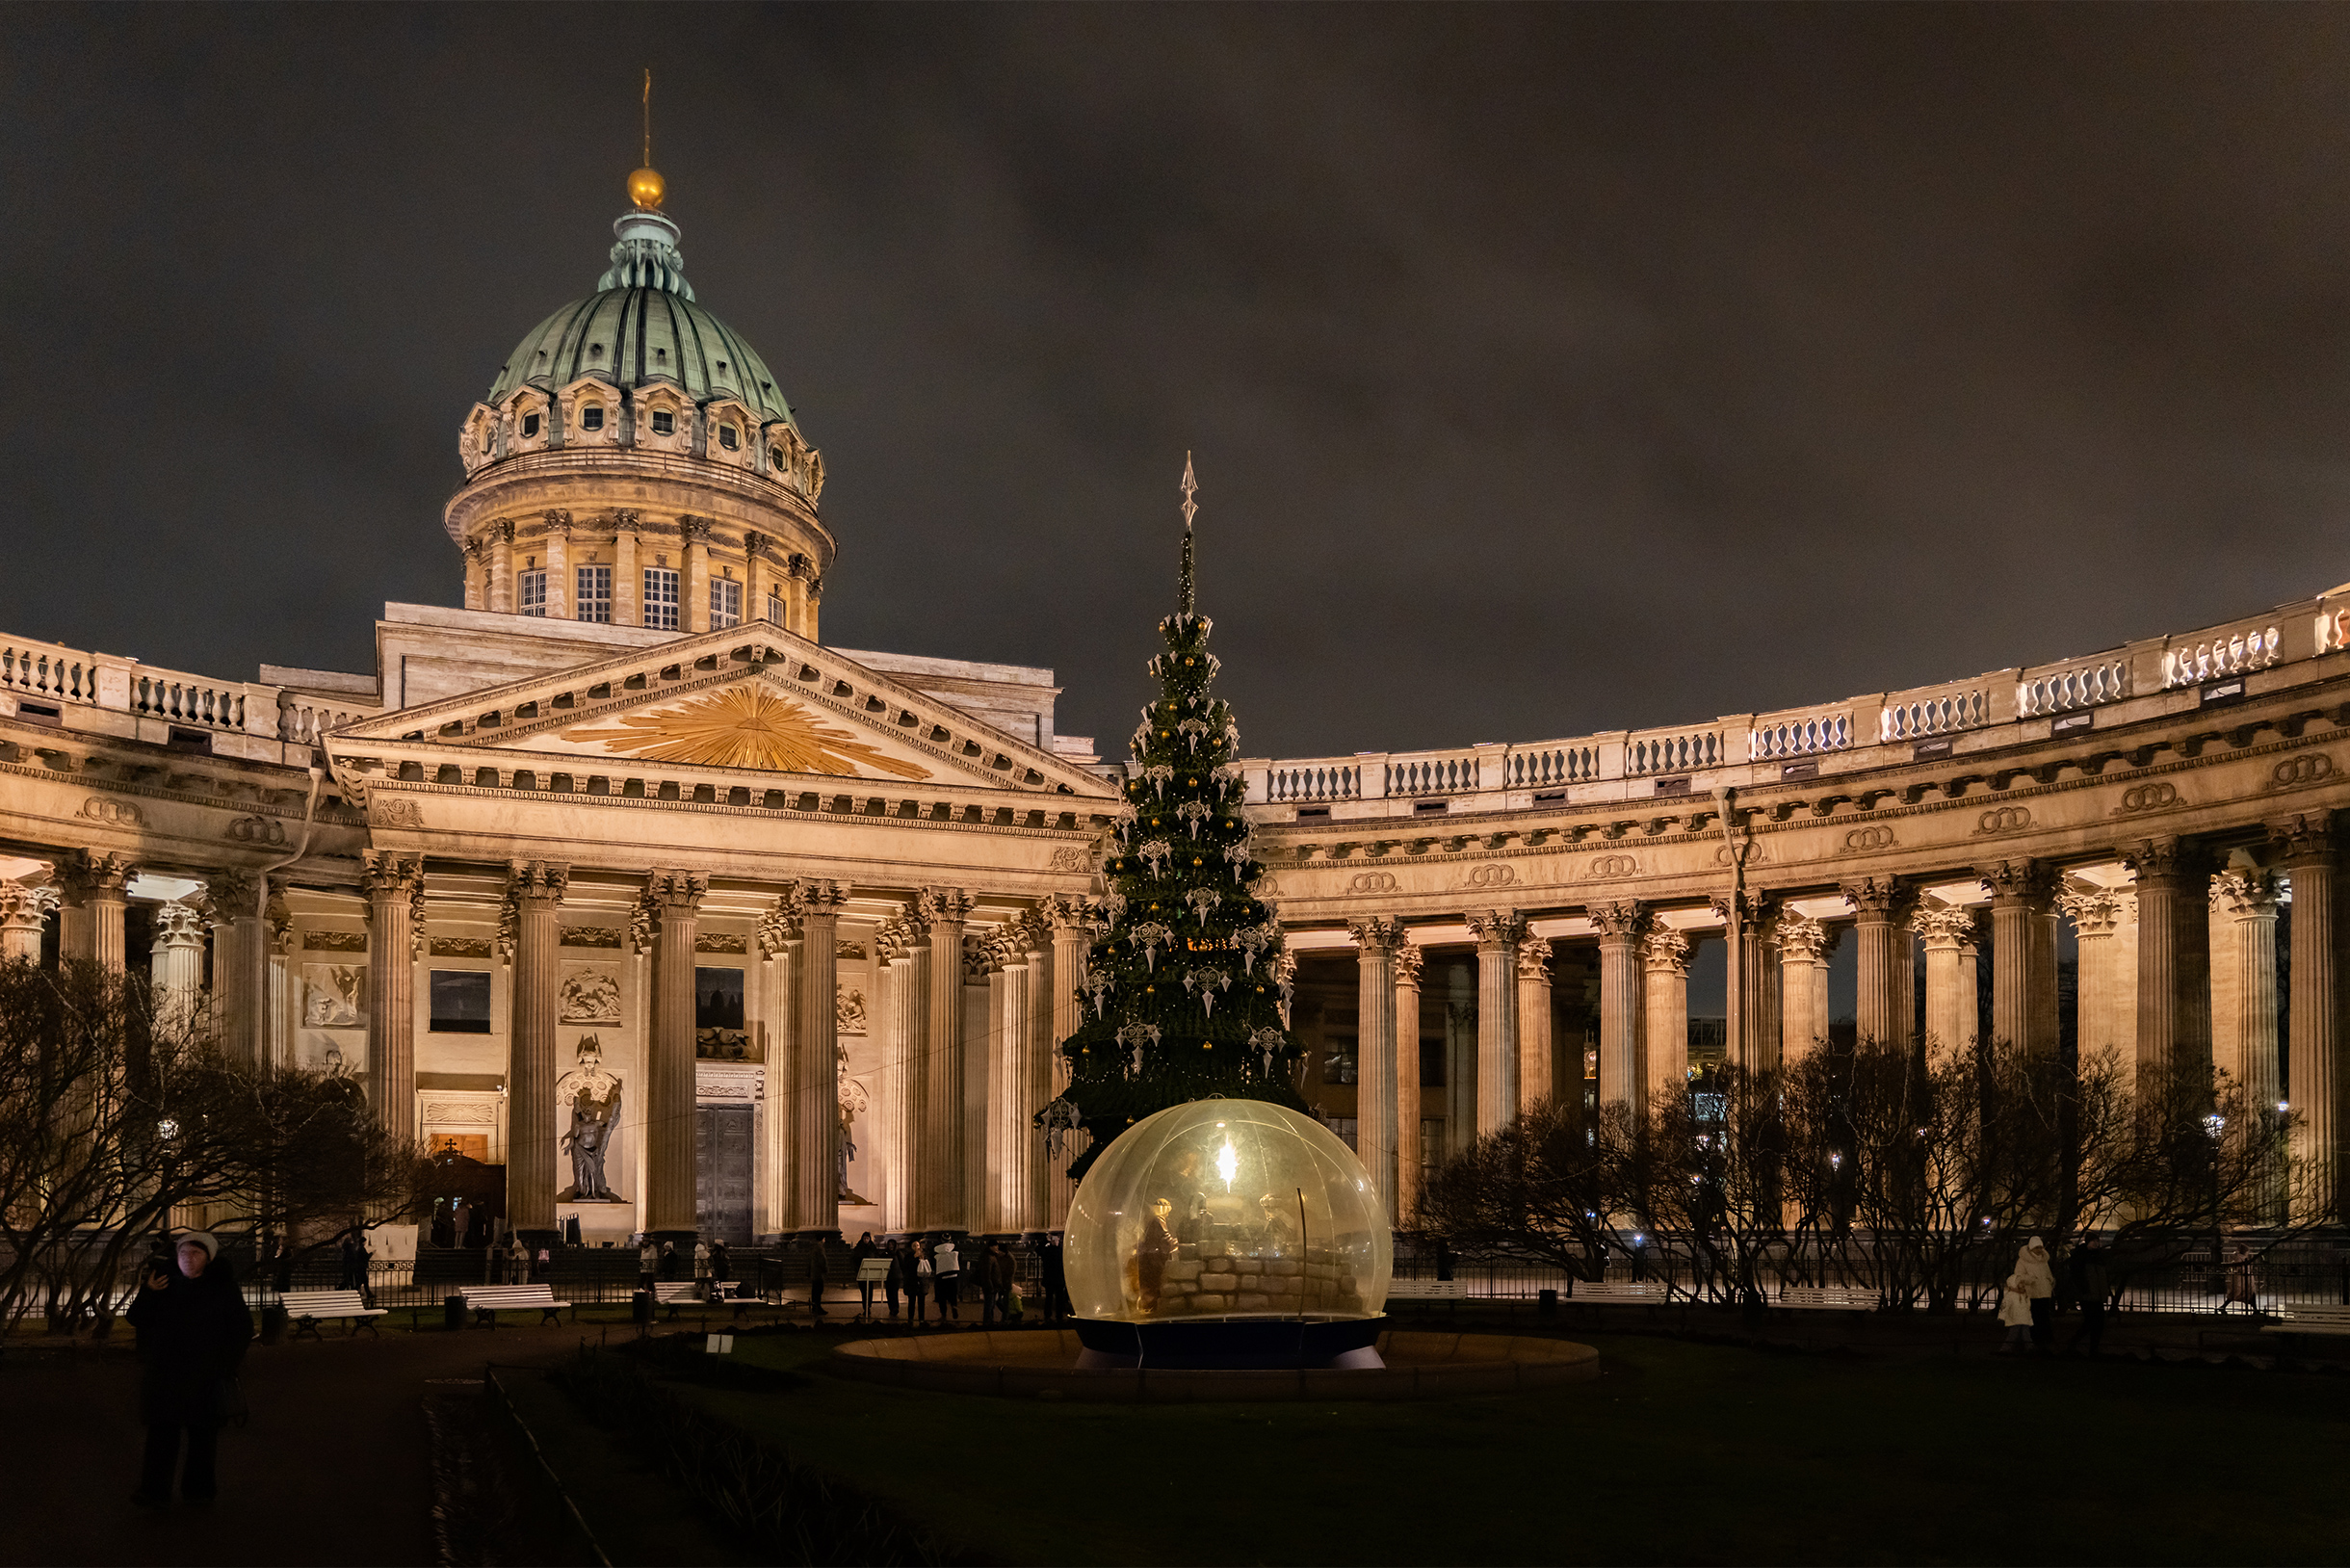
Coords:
1227,1208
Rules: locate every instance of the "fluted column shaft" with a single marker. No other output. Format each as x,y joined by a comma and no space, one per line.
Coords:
534,1123
177,963
1407,961
2022,953
1027,1183
1537,1065
2095,914
1950,995
1622,1079
671,1208
95,889
915,1065
2310,864
1665,986
1376,1125
392,882
1882,1011
779,945
1072,943
2247,902
2173,955
1499,932
816,1099
237,1005
940,1158
988,1206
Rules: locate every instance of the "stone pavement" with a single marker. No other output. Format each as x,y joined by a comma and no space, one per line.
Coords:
334,1467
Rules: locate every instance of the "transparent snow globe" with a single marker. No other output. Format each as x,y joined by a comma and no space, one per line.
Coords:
1224,1210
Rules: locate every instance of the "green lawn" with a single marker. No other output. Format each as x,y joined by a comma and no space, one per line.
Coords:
1680,1452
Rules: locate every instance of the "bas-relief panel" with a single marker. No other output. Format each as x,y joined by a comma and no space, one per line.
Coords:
324,1052
744,725
334,996
589,994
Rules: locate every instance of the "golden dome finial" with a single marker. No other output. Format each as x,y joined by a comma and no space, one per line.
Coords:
645,187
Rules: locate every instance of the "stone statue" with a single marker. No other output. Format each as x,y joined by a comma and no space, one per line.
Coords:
592,1097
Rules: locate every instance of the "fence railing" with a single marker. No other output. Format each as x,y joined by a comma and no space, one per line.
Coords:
52,677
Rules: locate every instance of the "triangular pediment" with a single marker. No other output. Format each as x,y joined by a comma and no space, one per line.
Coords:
749,699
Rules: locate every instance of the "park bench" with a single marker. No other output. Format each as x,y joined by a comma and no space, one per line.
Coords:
486,1301
1447,1291
2311,1321
308,1309
1618,1293
674,1293
1825,1298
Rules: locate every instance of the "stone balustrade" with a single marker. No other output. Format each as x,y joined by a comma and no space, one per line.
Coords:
105,693
2003,707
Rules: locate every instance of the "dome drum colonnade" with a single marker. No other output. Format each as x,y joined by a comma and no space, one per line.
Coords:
2166,810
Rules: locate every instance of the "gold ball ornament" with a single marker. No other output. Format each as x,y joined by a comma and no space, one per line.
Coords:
646,188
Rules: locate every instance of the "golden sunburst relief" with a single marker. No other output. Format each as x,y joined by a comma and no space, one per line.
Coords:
741,726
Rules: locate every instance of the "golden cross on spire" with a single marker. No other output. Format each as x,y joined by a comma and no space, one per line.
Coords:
648,117
647,187
1191,486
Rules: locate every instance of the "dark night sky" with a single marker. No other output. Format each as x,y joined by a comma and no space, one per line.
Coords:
1548,369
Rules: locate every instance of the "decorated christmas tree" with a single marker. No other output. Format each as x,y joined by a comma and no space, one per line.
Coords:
1187,986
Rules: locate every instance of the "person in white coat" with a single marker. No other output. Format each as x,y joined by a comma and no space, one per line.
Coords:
2016,1315
2039,1277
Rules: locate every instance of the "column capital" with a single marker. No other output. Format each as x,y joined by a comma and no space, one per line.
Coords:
1408,958
1665,951
1800,937
1880,899
82,875
388,877
676,892
1029,931
558,522
1067,915
178,926
1534,958
501,531
2019,881
779,925
228,895
693,530
1497,930
819,900
2094,911
279,915
1376,934
2305,838
537,881
977,957
1745,908
2167,861
944,905
20,901
2245,894
1619,922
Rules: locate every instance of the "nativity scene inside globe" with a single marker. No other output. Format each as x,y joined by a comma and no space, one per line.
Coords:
1227,1211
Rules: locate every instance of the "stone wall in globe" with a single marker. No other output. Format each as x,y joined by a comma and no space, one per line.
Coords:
1205,1278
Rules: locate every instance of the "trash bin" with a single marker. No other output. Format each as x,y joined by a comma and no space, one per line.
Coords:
1546,1302
641,1307
273,1319
452,1311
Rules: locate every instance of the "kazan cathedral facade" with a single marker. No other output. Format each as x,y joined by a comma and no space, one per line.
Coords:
620,879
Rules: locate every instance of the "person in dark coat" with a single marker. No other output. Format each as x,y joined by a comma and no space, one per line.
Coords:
720,1270
281,1267
669,1260
2086,1275
192,1329
1056,1280
816,1280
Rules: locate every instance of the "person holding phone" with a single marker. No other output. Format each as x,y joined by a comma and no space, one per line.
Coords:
193,1327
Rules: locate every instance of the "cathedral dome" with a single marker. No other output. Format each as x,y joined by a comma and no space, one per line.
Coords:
643,327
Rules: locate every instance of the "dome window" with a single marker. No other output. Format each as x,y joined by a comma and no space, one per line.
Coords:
664,423
591,417
727,437
721,367
660,356
529,426
596,351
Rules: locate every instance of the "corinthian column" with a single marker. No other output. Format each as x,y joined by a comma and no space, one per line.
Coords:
816,1098
392,882
2173,955
2248,901
779,944
1004,974
1407,1078
1948,933
2309,859
1621,926
1028,1187
95,889
535,889
1665,956
1499,932
939,1156
178,964
1883,1014
1536,1065
24,913
675,902
1375,941
1803,969
2096,913
2022,953
238,1006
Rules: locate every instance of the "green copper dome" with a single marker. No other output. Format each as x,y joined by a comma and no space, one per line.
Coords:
641,326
